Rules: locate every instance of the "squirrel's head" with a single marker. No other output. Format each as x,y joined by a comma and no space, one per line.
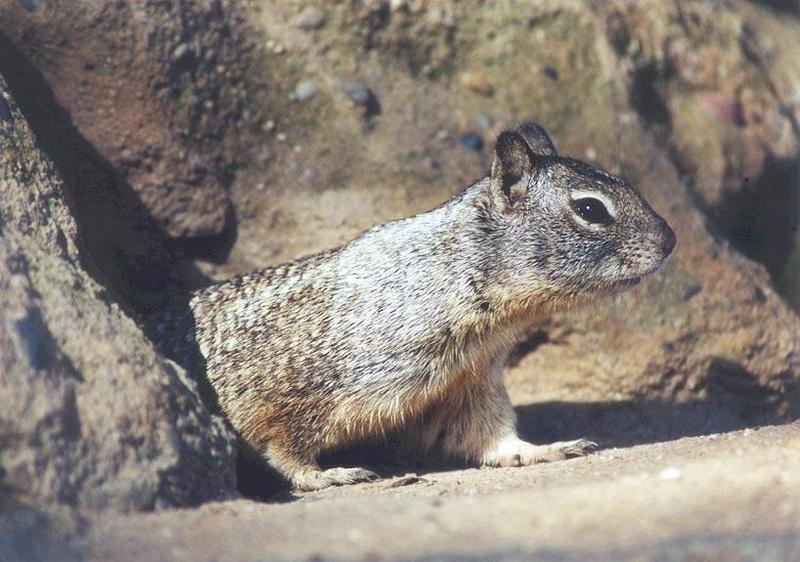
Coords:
566,224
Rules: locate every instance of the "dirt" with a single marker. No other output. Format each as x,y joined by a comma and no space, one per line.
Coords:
733,496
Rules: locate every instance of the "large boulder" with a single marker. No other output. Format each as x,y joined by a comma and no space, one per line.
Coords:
90,415
153,86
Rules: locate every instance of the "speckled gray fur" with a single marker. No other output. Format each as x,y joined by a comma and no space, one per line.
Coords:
406,328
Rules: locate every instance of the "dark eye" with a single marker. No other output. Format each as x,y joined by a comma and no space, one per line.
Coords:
591,210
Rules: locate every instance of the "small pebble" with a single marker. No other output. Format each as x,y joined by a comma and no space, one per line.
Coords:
310,18
32,5
691,290
442,17
407,480
476,83
268,126
304,91
359,93
550,71
354,90
471,141
180,52
281,137
670,473
484,121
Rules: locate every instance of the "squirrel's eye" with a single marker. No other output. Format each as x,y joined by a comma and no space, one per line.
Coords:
591,210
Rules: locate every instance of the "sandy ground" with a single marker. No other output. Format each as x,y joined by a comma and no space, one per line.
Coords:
732,496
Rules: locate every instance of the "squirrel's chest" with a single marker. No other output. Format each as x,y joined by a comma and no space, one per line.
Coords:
402,390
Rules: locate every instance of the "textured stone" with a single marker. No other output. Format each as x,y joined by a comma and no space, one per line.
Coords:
90,415
140,83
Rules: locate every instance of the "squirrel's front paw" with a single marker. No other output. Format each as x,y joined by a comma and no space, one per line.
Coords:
516,452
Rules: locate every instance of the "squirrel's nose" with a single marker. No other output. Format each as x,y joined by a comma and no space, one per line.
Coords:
668,241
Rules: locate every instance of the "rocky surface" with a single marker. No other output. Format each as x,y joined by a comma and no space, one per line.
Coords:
90,416
153,86
324,119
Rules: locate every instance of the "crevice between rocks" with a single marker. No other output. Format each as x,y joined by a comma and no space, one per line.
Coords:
760,219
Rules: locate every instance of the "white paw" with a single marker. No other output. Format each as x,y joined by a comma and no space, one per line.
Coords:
513,451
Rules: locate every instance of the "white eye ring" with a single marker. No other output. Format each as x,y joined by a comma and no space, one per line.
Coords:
603,198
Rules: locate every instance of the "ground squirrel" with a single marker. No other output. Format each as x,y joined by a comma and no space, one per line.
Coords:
407,327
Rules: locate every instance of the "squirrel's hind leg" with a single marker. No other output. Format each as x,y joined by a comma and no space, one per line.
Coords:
317,479
305,474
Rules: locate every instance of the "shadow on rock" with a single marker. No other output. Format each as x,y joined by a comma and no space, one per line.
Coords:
129,252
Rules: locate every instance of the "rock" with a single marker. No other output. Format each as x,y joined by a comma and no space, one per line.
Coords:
359,94
484,121
310,18
127,84
304,91
477,83
181,52
355,91
91,416
723,90
691,290
550,71
471,141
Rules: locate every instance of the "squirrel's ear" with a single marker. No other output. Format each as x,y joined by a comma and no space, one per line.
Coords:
537,139
513,167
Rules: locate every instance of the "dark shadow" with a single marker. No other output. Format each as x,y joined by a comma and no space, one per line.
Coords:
122,246
648,99
258,481
761,219
528,345
734,400
29,532
786,7
216,248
